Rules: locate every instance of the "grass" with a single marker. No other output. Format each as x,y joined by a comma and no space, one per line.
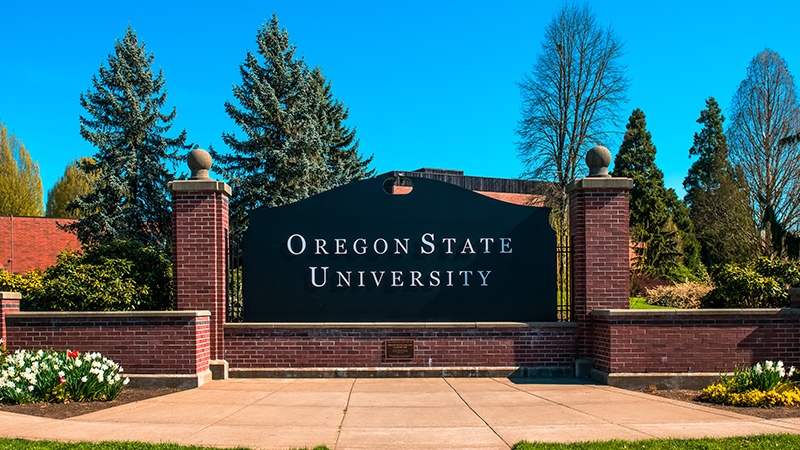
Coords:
776,441
641,303
772,441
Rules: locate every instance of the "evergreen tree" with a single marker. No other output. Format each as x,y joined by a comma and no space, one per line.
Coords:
659,221
295,144
124,121
718,205
74,184
20,183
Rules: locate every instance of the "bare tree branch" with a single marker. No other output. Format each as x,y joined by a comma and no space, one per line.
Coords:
571,98
762,138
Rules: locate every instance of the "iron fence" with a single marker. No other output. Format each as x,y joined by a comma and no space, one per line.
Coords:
564,279
233,288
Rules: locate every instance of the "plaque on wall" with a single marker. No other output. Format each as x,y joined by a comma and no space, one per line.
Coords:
398,349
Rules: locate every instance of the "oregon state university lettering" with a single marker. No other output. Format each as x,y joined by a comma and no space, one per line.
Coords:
297,244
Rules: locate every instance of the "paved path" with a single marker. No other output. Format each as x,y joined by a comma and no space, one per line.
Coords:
427,413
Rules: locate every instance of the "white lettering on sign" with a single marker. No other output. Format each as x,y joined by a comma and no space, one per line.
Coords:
427,244
399,278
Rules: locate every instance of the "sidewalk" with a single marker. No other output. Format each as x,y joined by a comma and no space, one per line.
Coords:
407,413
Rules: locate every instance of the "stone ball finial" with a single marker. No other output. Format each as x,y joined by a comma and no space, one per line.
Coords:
598,158
199,163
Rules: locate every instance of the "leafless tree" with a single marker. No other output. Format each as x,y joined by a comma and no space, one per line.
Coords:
571,98
764,116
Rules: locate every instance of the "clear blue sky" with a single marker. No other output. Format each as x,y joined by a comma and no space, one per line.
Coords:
428,84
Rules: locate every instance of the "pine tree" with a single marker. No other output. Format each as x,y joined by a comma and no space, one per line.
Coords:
74,184
124,121
20,183
659,221
718,205
296,144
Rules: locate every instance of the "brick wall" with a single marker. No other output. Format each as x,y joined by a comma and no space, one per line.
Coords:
681,341
599,236
34,242
249,346
9,303
199,243
154,342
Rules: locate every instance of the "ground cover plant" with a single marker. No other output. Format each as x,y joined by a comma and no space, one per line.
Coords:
764,385
58,377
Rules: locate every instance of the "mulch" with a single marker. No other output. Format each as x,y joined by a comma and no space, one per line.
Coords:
691,396
66,410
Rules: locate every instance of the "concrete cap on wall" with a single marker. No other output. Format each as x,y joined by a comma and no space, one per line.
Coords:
199,162
598,158
601,183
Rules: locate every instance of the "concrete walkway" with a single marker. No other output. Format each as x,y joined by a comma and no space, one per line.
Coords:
427,413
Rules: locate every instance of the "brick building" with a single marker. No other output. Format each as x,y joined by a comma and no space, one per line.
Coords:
28,243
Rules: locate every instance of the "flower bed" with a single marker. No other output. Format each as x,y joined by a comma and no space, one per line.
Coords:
58,377
764,386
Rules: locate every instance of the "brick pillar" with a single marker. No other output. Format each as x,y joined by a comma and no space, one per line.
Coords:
199,245
9,303
600,241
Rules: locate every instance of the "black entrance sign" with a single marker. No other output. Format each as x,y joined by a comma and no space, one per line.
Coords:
438,253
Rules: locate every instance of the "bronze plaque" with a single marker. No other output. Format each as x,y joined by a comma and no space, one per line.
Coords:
398,349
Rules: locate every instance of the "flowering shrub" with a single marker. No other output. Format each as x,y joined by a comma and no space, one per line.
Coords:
684,295
768,385
58,377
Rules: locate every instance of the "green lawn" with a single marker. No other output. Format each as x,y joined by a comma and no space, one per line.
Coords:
641,303
776,441
772,441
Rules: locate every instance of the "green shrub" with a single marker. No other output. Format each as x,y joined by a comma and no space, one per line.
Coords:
766,386
74,285
26,285
761,283
150,267
58,377
121,276
684,295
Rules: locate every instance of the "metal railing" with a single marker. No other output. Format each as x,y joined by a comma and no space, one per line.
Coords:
233,281
565,306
